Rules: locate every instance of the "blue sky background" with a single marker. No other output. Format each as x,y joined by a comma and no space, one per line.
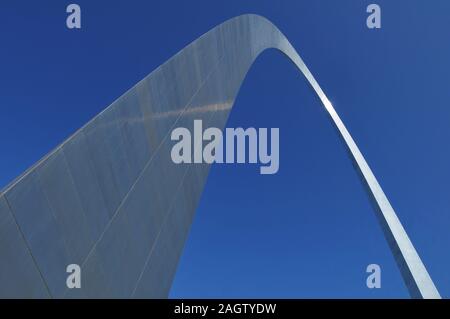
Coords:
308,231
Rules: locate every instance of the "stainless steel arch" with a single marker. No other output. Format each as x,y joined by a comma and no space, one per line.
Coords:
111,200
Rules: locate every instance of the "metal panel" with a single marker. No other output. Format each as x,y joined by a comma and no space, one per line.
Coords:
131,125
19,274
159,269
41,231
108,156
86,183
59,189
118,254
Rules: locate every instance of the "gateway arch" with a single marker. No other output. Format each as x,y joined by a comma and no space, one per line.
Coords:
111,200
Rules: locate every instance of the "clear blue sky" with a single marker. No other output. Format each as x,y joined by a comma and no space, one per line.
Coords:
308,231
